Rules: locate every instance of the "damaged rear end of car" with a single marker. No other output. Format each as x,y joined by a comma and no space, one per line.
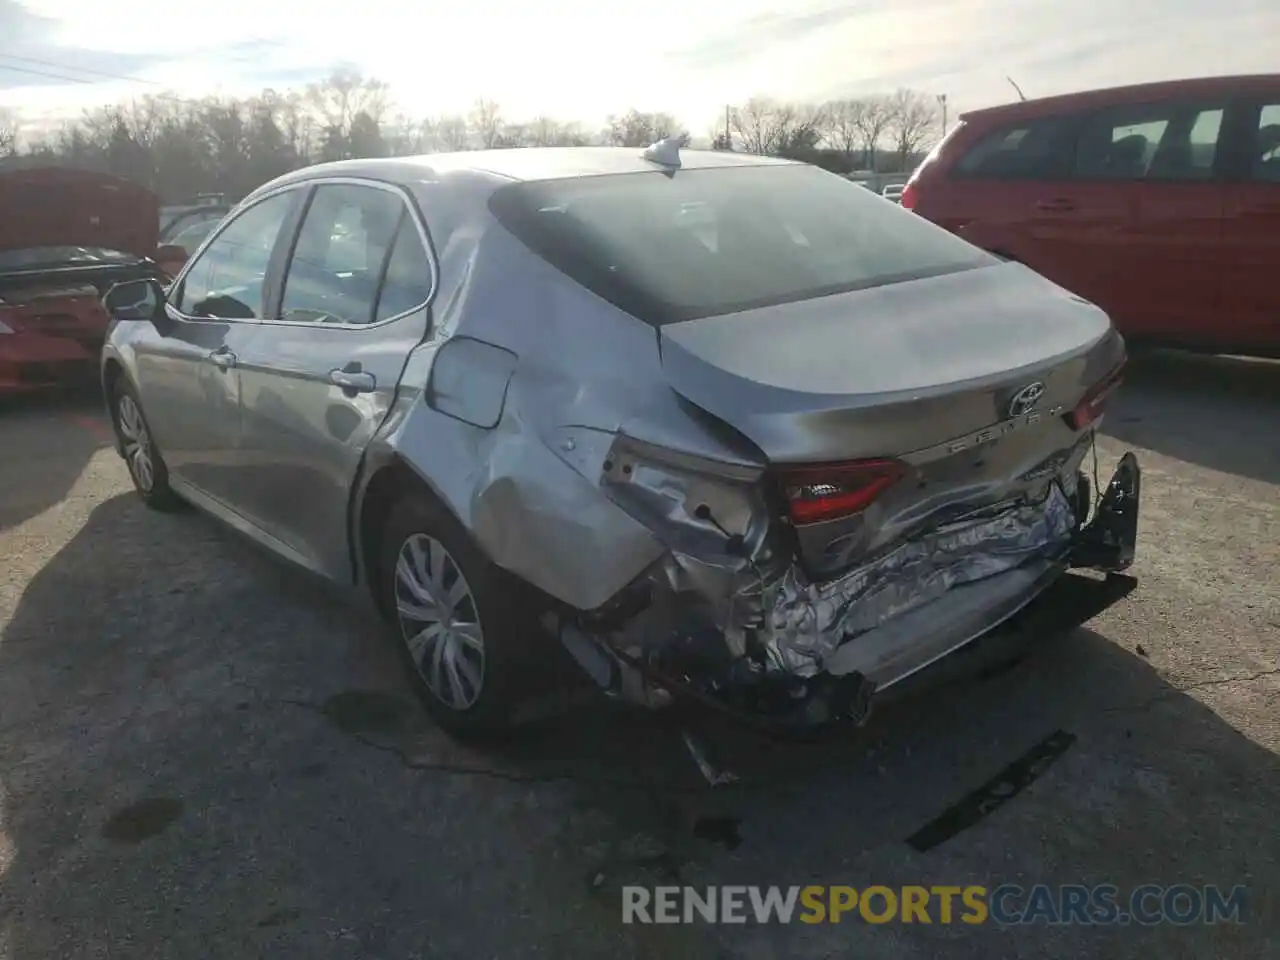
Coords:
776,465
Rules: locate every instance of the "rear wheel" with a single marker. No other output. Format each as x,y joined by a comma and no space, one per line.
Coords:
462,626
146,467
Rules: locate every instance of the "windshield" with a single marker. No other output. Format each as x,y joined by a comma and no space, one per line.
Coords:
36,258
191,238
698,243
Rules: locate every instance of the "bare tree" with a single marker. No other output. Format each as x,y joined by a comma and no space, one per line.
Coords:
914,119
10,128
338,100
179,148
514,135
841,128
767,126
755,123
296,123
871,122
543,131
635,128
486,123
799,128
452,133
570,135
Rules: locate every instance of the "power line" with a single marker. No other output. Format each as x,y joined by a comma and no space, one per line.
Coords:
70,79
102,73
45,73
63,66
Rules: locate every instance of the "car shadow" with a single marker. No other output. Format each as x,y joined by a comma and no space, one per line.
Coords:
1214,411
48,440
203,753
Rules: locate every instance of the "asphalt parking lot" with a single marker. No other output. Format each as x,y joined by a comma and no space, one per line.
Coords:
205,754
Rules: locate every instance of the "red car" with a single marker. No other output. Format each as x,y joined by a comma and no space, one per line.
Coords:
1160,203
66,236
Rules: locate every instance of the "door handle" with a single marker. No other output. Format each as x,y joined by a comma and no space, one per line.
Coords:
353,381
1056,205
223,358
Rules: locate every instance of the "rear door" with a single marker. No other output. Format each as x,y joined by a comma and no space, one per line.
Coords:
1161,254
1251,288
322,374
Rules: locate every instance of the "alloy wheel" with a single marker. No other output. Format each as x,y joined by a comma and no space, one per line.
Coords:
137,442
439,622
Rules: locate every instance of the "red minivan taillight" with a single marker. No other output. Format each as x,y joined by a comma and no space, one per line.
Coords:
1089,409
829,491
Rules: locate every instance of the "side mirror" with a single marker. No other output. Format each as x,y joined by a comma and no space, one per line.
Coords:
135,300
171,258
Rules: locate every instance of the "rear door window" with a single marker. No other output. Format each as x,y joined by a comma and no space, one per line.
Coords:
1026,150
714,241
1166,141
407,282
338,258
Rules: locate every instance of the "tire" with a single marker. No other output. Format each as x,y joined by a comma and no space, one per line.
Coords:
471,678
146,466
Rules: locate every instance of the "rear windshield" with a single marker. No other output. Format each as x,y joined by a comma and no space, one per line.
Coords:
699,243
37,258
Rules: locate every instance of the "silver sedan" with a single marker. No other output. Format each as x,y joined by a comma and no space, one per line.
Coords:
731,430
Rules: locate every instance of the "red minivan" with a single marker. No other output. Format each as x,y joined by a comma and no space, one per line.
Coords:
1160,203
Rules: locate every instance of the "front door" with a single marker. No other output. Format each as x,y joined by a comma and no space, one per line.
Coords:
321,375
189,368
1251,314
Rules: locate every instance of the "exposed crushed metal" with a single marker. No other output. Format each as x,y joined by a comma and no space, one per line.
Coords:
804,622
740,625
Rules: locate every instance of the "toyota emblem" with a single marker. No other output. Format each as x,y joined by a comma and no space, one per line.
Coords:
1024,400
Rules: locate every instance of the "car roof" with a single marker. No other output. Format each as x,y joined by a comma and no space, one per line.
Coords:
1242,85
517,164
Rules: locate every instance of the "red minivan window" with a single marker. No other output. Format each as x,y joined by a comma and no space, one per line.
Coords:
1158,203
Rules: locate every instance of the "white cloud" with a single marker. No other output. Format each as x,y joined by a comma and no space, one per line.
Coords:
584,59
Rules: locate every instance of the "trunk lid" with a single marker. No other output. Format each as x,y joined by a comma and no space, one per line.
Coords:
928,372
51,208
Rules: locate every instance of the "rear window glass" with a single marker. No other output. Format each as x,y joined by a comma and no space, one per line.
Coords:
1030,149
667,248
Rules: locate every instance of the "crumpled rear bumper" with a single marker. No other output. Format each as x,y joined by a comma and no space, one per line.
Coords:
1026,594
31,361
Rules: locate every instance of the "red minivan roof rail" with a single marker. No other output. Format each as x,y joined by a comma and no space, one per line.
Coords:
1194,86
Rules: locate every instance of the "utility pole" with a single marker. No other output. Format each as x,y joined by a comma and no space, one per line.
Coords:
942,102
728,132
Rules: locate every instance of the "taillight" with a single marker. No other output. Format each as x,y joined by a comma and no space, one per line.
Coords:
1089,409
909,196
817,492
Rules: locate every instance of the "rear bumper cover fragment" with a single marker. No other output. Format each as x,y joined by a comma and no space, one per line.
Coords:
1109,540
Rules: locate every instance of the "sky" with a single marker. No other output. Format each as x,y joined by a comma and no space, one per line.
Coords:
585,59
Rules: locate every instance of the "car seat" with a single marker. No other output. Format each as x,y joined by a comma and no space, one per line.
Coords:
1127,157
1267,162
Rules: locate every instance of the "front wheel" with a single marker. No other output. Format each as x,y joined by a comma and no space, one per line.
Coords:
146,467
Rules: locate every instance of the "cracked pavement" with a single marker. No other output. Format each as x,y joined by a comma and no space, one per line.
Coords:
204,753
